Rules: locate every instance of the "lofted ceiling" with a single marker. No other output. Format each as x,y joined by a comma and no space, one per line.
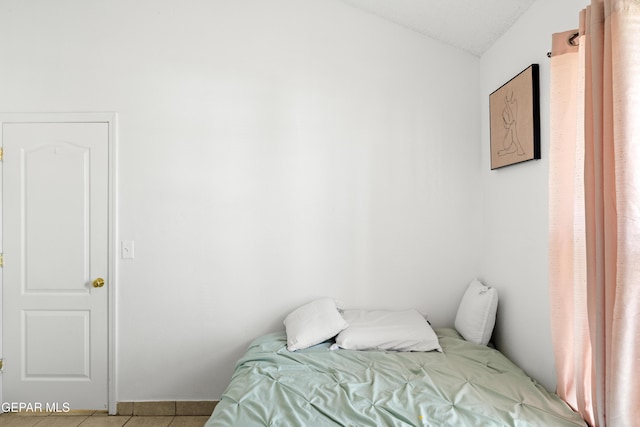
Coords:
471,25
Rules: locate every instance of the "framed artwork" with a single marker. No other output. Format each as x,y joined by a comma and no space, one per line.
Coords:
514,111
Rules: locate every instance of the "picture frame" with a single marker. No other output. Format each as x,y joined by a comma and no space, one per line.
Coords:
514,110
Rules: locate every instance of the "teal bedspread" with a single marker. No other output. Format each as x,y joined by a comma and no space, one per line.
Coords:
465,385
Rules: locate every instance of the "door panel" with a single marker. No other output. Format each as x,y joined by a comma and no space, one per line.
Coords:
56,212
55,241
67,354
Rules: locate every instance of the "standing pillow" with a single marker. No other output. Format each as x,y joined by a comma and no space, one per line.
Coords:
476,314
313,323
387,330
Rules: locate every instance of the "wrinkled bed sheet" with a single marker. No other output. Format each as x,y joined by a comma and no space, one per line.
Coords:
465,385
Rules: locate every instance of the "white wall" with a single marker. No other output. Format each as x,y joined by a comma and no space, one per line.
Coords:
515,205
269,153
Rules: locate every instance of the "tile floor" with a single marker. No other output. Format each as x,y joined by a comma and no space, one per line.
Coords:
99,419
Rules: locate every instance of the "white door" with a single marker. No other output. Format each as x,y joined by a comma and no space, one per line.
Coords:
55,235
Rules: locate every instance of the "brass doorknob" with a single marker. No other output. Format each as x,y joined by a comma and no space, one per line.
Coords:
98,283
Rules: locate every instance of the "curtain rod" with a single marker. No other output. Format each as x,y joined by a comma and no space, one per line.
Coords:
571,40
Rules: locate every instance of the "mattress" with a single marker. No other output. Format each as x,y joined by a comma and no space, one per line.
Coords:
464,385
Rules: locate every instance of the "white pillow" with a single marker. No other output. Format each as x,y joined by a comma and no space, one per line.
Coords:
387,330
476,315
313,323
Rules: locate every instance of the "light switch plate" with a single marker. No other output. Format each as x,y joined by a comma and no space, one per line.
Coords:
127,249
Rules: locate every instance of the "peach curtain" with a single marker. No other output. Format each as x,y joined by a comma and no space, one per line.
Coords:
594,202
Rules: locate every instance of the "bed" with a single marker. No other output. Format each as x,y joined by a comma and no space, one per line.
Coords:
280,382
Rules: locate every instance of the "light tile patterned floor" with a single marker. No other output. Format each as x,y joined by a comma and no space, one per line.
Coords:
99,420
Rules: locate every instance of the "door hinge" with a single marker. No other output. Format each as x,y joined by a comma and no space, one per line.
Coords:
1,153
1,260
1,364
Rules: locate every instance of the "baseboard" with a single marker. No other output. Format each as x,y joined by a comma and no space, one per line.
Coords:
166,407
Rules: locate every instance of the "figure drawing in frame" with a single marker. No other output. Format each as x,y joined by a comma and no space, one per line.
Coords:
515,120
511,143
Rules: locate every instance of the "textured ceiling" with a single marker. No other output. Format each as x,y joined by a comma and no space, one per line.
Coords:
471,25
